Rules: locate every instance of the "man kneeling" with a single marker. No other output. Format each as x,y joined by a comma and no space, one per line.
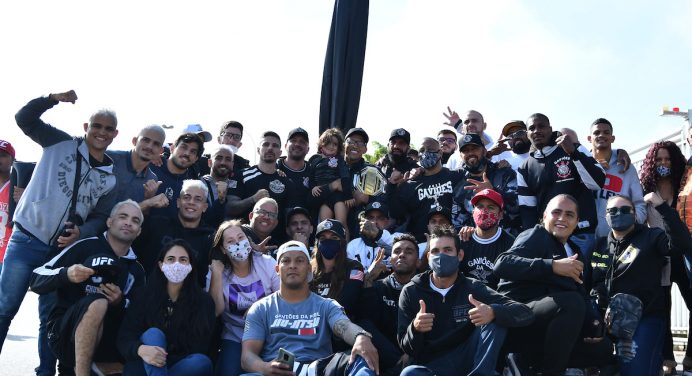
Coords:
302,322
94,279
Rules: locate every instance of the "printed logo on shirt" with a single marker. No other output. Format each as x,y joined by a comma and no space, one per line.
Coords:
169,193
306,182
240,297
562,167
232,184
480,268
276,186
435,191
357,275
613,183
629,255
332,162
301,325
389,302
460,313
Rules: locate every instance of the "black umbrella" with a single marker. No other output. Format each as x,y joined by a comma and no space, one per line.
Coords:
343,65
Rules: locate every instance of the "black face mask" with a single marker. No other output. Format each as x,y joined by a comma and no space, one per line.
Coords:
521,147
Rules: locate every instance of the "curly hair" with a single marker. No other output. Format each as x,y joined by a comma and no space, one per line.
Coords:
648,176
332,135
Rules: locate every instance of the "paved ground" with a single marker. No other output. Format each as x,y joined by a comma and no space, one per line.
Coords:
20,355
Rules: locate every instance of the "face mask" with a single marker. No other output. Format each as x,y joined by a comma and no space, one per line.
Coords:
329,247
444,265
663,171
485,219
620,222
521,147
234,149
176,272
478,168
428,159
239,251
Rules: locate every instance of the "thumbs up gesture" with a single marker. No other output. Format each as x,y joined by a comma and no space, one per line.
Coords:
481,313
424,321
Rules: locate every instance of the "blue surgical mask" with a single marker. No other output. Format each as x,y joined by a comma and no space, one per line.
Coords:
428,159
663,171
329,248
444,265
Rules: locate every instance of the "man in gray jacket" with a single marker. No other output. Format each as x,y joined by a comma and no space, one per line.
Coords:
44,220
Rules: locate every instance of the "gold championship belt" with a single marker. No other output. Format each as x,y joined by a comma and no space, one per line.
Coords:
370,181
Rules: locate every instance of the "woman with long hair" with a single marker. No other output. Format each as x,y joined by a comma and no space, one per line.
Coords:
239,277
335,275
167,331
662,172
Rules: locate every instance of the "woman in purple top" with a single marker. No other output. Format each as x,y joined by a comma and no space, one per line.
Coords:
239,277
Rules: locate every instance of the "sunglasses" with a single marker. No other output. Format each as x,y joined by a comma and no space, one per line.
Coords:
449,140
517,134
619,210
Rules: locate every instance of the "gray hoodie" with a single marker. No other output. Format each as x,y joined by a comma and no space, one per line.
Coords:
45,204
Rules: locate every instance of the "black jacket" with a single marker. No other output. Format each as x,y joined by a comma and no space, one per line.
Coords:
52,276
526,269
549,172
157,231
379,305
452,325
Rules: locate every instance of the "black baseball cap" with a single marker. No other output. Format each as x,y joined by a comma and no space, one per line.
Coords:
331,225
401,133
470,139
437,209
359,131
377,205
299,132
297,210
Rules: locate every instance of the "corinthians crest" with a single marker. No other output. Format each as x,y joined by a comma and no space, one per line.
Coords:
277,186
563,170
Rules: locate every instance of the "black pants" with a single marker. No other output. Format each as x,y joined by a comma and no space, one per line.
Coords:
678,275
549,342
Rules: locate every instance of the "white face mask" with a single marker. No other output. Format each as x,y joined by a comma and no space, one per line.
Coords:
176,272
239,251
234,149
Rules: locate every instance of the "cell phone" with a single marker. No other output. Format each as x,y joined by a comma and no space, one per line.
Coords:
286,357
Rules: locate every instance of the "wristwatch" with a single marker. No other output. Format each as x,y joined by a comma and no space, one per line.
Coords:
363,333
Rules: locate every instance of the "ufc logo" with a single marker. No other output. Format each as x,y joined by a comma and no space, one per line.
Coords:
101,261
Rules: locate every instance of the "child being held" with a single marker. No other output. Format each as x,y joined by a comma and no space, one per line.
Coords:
330,178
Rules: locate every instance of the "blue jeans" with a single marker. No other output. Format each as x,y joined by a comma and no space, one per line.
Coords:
648,342
24,254
228,362
359,367
191,365
477,356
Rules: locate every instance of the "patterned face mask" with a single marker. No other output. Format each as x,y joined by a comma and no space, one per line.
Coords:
663,171
485,219
239,251
176,272
428,159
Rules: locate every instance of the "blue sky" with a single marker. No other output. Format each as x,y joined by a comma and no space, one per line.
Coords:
261,63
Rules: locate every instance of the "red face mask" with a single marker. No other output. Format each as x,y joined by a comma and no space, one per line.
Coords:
485,219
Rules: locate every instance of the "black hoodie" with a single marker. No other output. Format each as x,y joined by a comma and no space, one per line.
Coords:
451,326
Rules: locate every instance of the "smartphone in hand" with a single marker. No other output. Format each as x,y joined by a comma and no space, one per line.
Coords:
286,357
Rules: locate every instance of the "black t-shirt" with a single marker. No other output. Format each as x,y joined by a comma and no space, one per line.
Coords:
300,179
480,255
350,291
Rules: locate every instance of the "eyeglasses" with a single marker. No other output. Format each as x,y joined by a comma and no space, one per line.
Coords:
266,213
449,140
350,142
517,134
619,210
235,136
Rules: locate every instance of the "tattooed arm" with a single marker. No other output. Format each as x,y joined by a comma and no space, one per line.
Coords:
362,344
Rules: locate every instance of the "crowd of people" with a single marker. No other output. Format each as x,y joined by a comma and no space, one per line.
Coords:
529,254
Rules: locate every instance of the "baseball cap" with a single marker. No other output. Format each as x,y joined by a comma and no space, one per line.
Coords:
359,131
7,148
292,245
512,124
400,132
470,139
297,210
197,129
298,132
377,205
331,225
438,209
490,195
